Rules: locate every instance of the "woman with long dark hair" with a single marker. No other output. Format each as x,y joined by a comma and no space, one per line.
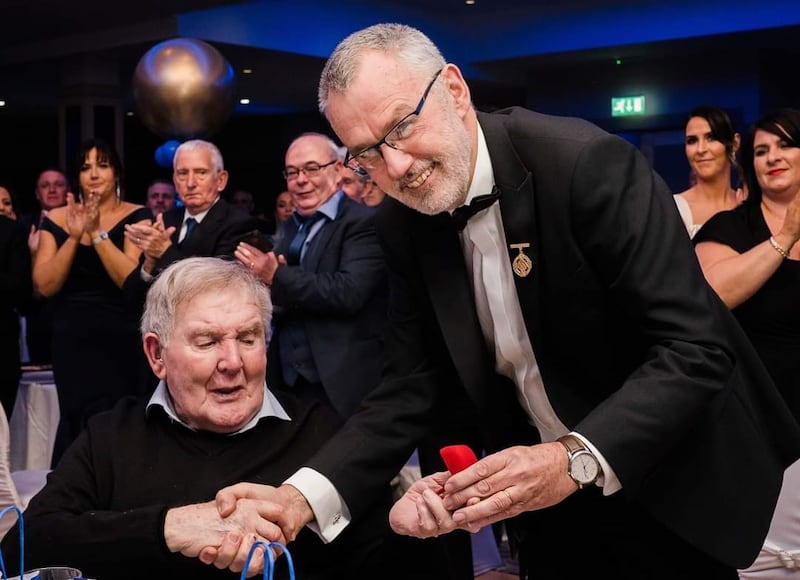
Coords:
82,260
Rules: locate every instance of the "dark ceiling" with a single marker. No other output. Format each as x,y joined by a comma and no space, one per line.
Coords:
38,36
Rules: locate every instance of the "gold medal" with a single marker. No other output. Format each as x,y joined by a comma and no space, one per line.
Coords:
521,264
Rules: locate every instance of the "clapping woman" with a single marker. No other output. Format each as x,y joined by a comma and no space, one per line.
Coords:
751,258
82,260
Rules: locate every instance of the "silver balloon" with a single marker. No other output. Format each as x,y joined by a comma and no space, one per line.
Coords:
184,88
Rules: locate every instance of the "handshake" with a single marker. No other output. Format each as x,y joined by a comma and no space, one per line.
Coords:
221,532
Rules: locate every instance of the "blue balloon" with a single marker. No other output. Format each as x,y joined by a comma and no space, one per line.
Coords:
166,152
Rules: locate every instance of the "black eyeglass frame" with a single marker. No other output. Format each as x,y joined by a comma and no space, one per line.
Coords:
350,161
320,167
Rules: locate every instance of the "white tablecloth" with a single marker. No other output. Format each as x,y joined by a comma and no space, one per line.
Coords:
34,421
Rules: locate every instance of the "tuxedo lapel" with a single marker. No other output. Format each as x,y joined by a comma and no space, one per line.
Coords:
518,209
442,263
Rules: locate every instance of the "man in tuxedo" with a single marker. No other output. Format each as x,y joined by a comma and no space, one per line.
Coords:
205,226
328,281
632,431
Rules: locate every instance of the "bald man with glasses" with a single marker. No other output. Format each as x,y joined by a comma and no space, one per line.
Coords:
328,283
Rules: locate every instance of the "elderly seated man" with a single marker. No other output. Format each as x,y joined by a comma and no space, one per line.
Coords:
134,495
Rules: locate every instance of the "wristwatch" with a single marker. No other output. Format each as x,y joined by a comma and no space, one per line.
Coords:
103,235
583,466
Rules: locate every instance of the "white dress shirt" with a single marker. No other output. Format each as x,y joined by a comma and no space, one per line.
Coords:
503,327
500,315
199,217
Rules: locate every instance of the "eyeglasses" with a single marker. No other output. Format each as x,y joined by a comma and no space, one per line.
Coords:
309,170
369,157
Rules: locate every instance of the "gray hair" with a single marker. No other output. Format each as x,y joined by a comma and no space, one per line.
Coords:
407,43
186,279
199,144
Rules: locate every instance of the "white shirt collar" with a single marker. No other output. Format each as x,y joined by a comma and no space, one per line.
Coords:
270,407
483,175
199,216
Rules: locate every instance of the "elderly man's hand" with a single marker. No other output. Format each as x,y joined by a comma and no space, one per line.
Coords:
189,529
421,512
290,511
153,239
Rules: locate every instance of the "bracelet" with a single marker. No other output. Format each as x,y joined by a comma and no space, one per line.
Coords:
778,249
103,235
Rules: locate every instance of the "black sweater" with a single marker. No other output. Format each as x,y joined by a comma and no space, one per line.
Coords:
102,510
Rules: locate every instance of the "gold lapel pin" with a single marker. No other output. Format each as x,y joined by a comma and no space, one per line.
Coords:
521,264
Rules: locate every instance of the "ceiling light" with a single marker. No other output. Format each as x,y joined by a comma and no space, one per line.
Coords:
244,101
2,103
129,114
247,71
469,2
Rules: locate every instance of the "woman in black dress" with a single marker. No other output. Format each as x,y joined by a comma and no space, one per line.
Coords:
82,260
751,258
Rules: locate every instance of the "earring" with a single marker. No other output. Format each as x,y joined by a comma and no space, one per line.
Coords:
119,193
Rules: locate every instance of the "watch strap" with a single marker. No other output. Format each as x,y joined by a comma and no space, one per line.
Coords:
574,446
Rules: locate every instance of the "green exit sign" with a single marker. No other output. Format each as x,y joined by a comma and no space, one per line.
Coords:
625,106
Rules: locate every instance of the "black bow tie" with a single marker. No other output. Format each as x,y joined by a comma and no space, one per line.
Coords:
462,214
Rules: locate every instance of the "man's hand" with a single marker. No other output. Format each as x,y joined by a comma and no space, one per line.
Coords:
507,483
153,239
263,264
295,514
421,512
291,513
188,529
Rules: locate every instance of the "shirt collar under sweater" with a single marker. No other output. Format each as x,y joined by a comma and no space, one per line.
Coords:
270,407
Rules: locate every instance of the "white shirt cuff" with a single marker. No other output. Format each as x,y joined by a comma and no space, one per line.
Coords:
608,481
331,514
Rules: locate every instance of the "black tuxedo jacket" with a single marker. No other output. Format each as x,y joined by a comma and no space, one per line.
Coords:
216,236
636,352
339,295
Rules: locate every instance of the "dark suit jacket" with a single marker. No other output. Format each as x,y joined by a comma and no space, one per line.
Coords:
635,350
216,236
339,295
